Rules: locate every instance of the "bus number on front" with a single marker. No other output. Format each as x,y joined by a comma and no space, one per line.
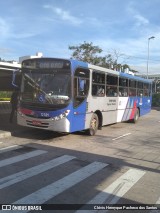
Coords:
44,114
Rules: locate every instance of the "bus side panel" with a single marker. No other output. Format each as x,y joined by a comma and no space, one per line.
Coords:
144,104
78,118
126,108
107,106
109,117
122,109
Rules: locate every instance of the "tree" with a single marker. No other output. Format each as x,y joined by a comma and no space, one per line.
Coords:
87,52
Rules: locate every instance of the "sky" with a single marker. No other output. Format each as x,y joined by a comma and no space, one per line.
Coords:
51,26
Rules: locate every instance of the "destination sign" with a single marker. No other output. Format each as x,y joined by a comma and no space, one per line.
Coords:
46,64
53,64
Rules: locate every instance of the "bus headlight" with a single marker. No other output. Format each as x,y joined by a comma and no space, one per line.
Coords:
19,112
61,116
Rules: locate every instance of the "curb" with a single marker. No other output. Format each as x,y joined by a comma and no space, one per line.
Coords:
5,134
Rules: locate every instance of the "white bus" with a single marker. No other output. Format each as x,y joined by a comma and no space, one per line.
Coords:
69,95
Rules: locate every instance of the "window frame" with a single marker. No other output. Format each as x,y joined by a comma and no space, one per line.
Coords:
112,86
99,85
77,97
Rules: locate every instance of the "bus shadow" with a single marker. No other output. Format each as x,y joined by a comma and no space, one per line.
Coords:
5,124
38,134
156,108
25,132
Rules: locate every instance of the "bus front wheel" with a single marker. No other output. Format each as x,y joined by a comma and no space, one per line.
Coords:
93,125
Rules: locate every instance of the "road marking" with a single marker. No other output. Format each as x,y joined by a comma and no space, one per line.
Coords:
52,190
121,136
20,176
16,159
9,148
117,189
1,142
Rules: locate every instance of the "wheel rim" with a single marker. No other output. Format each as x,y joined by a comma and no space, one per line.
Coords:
94,124
137,115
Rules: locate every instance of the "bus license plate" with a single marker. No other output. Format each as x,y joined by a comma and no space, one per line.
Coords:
37,123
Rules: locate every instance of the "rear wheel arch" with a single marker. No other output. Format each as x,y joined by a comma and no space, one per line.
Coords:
136,115
100,118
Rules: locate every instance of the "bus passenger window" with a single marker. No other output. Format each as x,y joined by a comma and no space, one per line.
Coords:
140,85
123,82
111,91
123,92
112,80
140,89
146,92
98,84
100,91
98,77
146,89
132,91
140,92
145,86
132,88
123,87
112,84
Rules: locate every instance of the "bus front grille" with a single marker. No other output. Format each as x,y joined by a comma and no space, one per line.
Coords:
37,124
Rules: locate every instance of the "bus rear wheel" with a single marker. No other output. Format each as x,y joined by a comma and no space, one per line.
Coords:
93,125
136,116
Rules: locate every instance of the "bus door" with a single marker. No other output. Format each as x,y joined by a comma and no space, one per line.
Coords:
80,93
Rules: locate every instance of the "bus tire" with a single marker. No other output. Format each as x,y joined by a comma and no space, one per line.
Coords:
94,123
136,116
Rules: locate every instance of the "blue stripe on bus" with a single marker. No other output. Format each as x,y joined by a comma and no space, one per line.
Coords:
76,64
134,77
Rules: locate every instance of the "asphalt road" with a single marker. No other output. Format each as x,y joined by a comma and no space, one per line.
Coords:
120,165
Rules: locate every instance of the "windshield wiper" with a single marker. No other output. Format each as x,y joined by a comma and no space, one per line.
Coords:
33,84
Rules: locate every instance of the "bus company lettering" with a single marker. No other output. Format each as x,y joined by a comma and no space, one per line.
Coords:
112,102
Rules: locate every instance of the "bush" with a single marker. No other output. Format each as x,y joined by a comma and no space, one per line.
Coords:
5,99
5,94
156,100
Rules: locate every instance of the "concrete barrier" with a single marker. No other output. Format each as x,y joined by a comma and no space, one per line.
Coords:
5,107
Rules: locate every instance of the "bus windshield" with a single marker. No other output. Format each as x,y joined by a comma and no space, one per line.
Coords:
46,87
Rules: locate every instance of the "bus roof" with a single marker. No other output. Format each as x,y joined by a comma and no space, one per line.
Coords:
122,74
77,63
